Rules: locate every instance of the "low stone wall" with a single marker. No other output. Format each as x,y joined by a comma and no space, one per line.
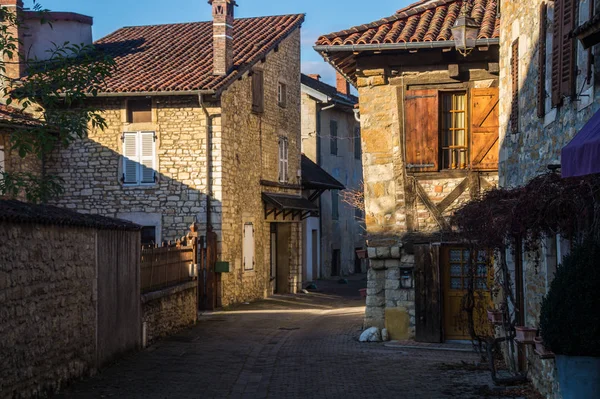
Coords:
168,311
48,302
388,304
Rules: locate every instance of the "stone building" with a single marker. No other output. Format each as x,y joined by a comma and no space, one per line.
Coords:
203,125
549,65
429,127
331,139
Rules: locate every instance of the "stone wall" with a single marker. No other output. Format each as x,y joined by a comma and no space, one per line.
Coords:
539,140
251,155
168,311
48,301
92,167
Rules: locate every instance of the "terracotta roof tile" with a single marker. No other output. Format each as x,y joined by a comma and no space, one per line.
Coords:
178,57
424,21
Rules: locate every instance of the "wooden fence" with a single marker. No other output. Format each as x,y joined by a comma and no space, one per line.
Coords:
169,265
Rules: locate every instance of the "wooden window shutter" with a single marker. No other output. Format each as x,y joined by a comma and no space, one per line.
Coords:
130,158
485,128
557,53
421,127
514,67
568,73
147,157
258,92
541,106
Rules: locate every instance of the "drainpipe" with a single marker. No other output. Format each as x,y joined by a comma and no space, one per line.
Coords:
208,164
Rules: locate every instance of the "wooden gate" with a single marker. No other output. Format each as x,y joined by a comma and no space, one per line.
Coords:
208,283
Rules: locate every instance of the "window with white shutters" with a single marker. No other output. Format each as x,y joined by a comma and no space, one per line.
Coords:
139,158
248,246
283,159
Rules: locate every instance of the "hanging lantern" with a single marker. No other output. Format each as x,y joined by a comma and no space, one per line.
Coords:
465,31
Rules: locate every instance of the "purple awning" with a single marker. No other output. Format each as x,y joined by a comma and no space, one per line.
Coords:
582,155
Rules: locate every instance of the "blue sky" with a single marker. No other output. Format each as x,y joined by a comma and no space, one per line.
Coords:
321,17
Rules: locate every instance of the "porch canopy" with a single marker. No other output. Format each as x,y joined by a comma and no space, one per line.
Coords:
582,155
288,205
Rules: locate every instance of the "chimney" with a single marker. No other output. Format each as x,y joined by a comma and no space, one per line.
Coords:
223,17
342,84
15,67
315,76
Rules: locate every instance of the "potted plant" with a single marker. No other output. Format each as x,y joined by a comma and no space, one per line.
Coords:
525,335
495,316
570,322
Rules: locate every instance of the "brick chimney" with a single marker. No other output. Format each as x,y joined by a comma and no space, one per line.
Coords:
342,84
223,17
15,68
315,76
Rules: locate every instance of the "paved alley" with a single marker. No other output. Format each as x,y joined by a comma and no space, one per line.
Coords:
302,346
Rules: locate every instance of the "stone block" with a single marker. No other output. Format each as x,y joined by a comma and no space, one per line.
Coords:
375,301
408,260
393,274
397,322
383,252
396,252
392,263
378,264
372,253
392,285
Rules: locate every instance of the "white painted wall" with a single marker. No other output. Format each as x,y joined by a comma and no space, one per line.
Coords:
39,38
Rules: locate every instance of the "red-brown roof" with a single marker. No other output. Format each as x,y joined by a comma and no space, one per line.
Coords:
14,116
179,57
424,21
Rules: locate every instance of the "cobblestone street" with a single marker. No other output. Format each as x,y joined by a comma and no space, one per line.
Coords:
301,346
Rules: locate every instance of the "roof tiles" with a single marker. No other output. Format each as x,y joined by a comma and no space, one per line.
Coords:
179,57
425,21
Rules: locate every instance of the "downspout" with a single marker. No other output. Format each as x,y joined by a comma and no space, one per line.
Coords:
318,145
208,164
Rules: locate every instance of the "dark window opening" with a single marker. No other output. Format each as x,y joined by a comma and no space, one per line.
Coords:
149,235
139,110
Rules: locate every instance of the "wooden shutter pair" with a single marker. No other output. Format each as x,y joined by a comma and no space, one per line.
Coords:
139,154
563,51
258,91
422,130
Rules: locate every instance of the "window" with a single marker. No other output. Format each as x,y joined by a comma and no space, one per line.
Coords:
283,159
459,269
455,148
248,246
333,134
335,205
139,158
357,144
149,236
514,112
282,95
139,110
258,95
335,262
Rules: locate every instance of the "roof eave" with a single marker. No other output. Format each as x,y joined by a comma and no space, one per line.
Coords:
153,93
399,46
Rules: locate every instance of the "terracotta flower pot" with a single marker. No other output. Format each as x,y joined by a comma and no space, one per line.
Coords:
495,317
525,335
361,253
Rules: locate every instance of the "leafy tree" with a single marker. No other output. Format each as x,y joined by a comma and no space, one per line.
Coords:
47,108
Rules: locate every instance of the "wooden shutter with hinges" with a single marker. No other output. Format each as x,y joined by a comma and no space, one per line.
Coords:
421,126
485,127
130,158
258,91
568,72
147,157
557,53
514,67
541,106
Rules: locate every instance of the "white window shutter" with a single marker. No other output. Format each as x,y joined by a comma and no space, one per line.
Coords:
248,246
130,158
285,160
147,157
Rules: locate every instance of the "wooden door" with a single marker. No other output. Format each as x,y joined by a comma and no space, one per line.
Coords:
454,263
428,320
